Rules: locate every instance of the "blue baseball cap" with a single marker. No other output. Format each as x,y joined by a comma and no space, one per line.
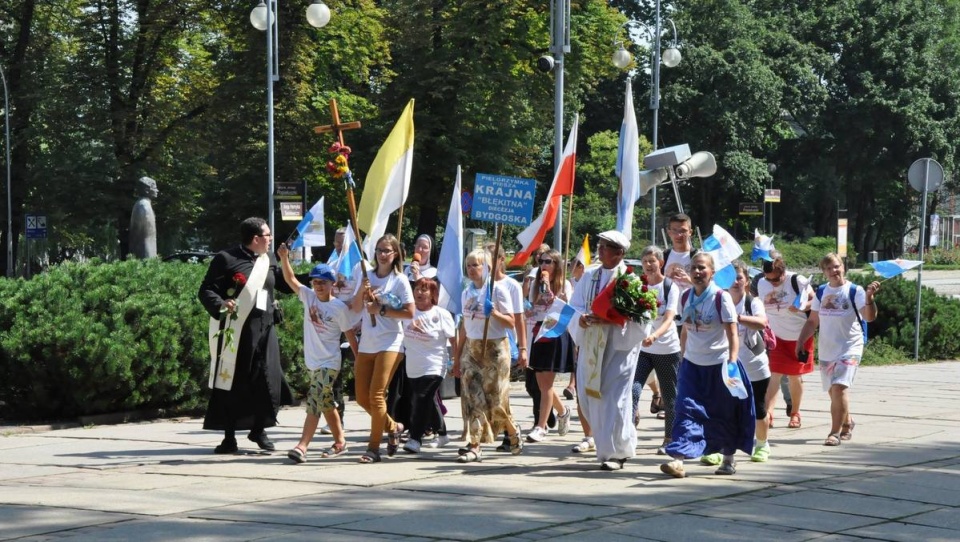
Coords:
323,271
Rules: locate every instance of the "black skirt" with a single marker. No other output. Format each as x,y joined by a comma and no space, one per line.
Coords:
554,355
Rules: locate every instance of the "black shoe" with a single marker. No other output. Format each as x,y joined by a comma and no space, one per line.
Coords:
567,394
228,446
552,420
789,409
262,440
505,445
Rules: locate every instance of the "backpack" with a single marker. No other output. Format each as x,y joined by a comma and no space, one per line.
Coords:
769,338
793,283
852,294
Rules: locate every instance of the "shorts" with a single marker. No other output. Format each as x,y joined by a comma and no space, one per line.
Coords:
320,395
840,372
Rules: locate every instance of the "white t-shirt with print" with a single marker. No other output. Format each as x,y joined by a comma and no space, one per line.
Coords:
706,337
426,347
674,259
840,332
473,318
387,335
541,302
758,367
778,301
323,322
669,342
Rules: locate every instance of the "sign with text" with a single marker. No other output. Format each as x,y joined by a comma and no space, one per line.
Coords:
291,210
36,227
288,191
771,195
507,200
751,209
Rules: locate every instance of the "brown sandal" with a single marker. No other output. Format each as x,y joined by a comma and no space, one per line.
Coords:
846,431
833,439
794,421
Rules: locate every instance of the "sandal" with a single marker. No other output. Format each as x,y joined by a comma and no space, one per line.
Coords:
335,450
473,455
656,405
833,439
297,455
846,431
393,440
370,456
516,444
794,421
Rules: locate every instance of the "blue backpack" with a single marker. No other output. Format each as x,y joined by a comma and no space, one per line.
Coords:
852,294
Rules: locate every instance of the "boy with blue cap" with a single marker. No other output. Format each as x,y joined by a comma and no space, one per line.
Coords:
324,319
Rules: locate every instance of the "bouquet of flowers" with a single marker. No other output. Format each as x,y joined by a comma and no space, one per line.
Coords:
239,281
339,167
627,298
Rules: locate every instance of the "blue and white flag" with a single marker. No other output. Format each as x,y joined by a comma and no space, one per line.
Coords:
733,379
558,319
310,230
762,245
351,254
891,268
724,249
450,264
628,166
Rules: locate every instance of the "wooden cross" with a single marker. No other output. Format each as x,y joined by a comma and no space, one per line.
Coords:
337,126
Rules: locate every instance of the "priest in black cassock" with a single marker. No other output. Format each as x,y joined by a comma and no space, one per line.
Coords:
248,386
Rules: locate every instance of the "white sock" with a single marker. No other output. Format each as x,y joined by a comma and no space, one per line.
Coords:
761,444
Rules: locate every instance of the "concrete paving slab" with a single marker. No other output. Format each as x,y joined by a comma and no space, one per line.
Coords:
687,527
788,516
904,532
26,521
894,488
944,518
165,529
861,505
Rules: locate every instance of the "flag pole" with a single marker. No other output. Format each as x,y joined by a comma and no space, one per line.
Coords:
494,267
566,251
400,224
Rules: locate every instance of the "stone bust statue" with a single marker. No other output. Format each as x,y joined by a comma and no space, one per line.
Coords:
143,223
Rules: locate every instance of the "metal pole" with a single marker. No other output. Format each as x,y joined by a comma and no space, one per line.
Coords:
560,32
655,106
272,75
6,115
923,230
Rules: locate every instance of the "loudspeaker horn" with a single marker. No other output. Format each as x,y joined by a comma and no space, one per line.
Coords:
650,178
701,164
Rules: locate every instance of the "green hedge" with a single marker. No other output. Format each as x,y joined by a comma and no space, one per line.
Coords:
107,337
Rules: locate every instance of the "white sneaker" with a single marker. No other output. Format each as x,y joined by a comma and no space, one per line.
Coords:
563,422
412,446
586,445
537,434
325,430
439,442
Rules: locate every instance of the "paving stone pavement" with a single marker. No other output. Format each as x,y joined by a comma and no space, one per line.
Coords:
898,479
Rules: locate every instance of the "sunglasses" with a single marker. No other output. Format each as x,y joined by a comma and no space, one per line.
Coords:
546,261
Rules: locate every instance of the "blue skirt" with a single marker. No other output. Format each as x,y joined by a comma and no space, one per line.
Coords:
708,418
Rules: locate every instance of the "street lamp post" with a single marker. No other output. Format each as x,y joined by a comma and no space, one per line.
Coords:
6,118
559,44
670,57
318,15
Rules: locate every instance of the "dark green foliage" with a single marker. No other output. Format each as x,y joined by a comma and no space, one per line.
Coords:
895,323
106,337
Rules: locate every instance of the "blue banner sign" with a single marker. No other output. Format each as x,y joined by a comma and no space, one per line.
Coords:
502,199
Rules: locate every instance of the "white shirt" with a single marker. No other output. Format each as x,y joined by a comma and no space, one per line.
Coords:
669,342
706,337
387,335
758,367
426,348
323,322
473,319
426,271
840,332
541,302
777,301
675,259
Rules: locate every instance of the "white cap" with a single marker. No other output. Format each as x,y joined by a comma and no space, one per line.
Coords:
615,237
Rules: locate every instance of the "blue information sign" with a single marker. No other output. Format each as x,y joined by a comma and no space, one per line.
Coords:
502,199
36,226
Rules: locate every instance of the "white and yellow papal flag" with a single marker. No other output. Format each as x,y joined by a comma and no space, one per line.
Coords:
388,181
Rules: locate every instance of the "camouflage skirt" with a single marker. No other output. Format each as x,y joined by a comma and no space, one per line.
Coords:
485,389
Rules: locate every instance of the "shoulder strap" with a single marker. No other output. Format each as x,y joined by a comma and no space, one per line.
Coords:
852,294
748,304
795,284
666,258
820,290
754,282
718,301
684,298
693,252
667,284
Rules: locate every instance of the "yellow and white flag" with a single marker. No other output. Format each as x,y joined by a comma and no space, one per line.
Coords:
388,181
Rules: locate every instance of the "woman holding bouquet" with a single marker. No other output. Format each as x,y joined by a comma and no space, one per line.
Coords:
484,366
709,416
549,356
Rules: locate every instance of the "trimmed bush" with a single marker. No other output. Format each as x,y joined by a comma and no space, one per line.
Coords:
107,337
